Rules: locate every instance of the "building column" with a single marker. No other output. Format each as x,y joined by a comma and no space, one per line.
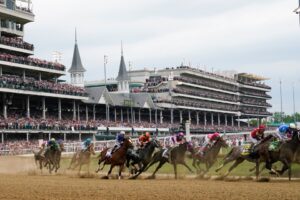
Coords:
172,116
133,114
86,113
190,119
128,119
226,122
24,74
74,110
40,76
94,112
155,116
212,118
108,112
248,122
122,115
219,120
161,117
1,73
205,119
65,137
28,106
27,137
4,108
197,118
59,109
239,122
139,115
79,138
44,107
180,113
2,138
150,116
232,121
115,114
49,136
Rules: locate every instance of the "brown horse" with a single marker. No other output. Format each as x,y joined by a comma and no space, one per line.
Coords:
81,158
210,156
118,158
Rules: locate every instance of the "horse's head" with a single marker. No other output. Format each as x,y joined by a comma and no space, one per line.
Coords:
127,143
221,142
155,143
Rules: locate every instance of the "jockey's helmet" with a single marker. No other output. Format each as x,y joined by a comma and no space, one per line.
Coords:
262,127
293,126
147,134
52,139
122,132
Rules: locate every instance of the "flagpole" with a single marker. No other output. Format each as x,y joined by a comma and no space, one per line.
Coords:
281,117
294,105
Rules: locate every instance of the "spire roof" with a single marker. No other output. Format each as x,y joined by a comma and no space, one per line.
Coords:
76,63
122,75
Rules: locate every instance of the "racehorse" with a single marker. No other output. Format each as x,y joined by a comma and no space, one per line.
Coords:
210,156
258,155
51,158
82,158
142,157
285,155
177,156
118,158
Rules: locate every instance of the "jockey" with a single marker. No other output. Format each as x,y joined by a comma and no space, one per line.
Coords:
86,144
210,139
52,144
144,139
257,134
175,141
284,132
119,141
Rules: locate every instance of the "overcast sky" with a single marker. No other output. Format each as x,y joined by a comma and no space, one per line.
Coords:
261,37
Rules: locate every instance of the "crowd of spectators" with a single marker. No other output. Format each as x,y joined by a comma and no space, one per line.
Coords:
17,147
16,42
254,93
31,61
255,102
200,104
154,81
256,84
16,82
205,93
207,83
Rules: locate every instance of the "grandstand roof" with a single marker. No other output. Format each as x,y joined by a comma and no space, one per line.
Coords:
252,77
139,100
76,63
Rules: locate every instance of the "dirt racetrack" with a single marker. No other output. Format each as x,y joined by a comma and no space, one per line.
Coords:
31,185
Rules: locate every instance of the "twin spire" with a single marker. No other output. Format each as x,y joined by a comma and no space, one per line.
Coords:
78,67
76,62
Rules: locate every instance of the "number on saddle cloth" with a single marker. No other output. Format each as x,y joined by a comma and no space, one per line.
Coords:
274,145
247,148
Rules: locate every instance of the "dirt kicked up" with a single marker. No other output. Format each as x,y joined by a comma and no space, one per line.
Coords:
28,184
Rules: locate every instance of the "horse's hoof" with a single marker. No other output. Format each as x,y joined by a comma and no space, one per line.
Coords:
104,177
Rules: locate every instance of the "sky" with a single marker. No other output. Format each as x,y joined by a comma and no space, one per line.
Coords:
260,37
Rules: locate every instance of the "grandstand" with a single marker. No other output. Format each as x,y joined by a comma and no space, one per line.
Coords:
37,105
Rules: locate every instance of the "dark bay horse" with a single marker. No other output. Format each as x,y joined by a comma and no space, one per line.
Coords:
177,156
285,155
51,158
259,155
210,156
142,157
118,158
81,158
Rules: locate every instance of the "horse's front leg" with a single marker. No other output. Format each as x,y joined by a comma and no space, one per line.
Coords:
120,171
